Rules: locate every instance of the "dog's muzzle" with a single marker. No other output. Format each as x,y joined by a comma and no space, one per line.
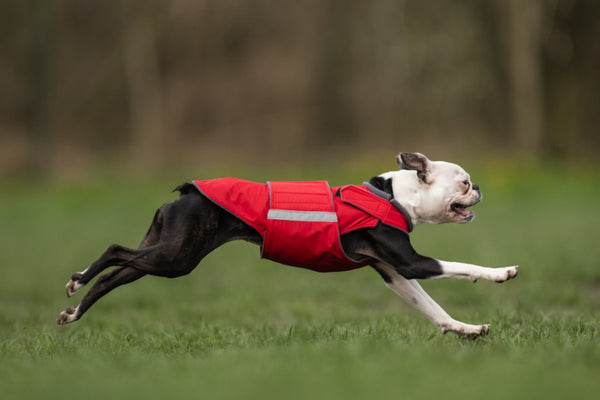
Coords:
460,208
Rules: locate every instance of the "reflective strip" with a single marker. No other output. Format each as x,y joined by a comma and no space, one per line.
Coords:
305,216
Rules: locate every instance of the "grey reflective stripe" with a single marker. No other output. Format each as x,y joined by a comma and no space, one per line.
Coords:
305,216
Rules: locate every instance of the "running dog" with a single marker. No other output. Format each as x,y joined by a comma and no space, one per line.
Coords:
309,225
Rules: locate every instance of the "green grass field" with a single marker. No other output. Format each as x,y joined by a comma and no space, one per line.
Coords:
243,328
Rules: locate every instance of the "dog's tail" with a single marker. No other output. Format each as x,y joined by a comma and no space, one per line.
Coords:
185,188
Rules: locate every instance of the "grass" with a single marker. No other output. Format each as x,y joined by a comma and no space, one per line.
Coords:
241,327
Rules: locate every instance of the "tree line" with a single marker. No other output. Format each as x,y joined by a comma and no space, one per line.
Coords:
154,81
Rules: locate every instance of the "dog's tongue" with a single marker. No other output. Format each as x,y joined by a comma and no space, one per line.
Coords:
462,210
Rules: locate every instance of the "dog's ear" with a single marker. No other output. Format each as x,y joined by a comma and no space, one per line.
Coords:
415,162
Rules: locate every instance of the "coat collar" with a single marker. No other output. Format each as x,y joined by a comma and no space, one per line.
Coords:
378,192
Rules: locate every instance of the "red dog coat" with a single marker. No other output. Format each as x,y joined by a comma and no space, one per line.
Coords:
301,222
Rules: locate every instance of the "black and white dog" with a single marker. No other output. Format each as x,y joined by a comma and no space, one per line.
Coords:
187,229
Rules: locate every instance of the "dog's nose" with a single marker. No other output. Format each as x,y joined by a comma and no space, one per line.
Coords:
476,187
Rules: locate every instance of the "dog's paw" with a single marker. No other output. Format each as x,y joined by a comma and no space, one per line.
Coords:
466,331
507,273
68,316
74,285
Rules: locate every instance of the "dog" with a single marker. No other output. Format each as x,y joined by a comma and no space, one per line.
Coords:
421,191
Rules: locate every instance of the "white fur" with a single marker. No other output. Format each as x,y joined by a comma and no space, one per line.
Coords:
430,202
456,270
412,293
68,316
73,286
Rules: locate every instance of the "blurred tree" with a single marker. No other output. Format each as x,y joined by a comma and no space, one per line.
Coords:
39,67
334,118
155,80
524,58
572,76
148,139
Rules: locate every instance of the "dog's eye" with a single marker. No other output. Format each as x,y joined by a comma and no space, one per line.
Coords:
466,183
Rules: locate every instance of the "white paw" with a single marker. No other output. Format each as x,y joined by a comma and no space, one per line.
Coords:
466,331
506,273
73,285
68,316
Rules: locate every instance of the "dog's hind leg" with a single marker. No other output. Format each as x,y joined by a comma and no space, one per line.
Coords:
182,233
115,255
159,260
107,282
162,259
412,293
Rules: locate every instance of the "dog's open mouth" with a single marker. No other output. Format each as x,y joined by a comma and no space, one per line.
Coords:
462,210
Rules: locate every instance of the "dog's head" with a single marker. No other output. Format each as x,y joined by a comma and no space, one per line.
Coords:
433,192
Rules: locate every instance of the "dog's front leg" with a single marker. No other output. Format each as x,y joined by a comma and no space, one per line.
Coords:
457,270
413,294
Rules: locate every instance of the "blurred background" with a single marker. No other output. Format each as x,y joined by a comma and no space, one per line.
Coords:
154,83
105,105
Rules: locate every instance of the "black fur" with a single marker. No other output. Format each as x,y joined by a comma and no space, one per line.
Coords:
382,184
184,231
